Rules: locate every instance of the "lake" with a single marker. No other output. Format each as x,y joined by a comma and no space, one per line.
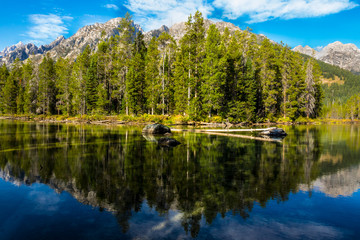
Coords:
60,181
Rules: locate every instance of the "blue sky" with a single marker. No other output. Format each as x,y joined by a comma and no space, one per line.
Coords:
295,22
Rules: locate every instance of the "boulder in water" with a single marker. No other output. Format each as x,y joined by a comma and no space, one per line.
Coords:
156,129
274,132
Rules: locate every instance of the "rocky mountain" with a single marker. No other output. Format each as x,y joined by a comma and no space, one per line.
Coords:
10,49
61,47
346,56
177,31
90,36
305,50
24,51
155,33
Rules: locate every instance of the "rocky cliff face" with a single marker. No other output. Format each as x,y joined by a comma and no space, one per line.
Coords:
10,49
305,50
89,35
24,51
346,56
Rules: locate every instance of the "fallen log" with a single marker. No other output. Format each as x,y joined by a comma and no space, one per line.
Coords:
224,132
244,136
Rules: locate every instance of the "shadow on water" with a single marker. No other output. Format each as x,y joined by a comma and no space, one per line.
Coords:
118,168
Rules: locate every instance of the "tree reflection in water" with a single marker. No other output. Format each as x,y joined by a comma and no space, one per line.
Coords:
117,169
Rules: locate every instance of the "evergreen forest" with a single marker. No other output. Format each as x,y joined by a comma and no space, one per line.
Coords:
207,74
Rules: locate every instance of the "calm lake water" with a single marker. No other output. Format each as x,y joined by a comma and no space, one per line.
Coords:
62,181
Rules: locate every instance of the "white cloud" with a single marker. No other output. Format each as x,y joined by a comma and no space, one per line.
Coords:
264,10
151,14
47,28
112,6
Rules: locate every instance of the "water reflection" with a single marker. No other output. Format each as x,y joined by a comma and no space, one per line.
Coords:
117,169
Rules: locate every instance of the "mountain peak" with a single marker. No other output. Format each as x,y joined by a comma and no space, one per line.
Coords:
19,44
307,50
346,56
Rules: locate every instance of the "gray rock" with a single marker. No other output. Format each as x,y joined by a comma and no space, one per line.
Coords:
156,129
275,132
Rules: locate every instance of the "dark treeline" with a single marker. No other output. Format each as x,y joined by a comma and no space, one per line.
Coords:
205,74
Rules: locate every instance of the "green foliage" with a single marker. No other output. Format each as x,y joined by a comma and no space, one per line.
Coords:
91,85
232,75
46,97
152,77
30,89
10,93
63,84
4,74
214,72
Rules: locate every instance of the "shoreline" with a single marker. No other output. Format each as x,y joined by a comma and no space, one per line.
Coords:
115,121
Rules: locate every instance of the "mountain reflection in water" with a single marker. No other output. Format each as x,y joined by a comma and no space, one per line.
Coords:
116,169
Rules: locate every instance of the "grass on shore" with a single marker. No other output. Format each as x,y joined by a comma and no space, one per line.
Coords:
164,119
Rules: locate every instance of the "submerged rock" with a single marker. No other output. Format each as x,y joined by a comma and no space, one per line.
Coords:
274,132
168,142
150,137
156,129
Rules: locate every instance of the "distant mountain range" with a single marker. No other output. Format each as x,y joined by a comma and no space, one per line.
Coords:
346,56
91,35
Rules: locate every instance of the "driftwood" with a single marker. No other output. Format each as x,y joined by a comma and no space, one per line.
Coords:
244,136
223,132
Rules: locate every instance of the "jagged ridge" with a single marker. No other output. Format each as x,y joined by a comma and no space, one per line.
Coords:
346,56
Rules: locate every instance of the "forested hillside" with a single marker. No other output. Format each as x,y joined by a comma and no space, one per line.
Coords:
341,99
205,74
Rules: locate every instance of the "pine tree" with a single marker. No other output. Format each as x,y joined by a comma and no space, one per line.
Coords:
10,93
78,81
103,78
181,85
4,74
29,90
313,93
17,74
92,84
167,47
250,91
296,88
135,79
11,88
63,70
46,98
123,60
214,74
192,49
269,77
235,80
152,75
